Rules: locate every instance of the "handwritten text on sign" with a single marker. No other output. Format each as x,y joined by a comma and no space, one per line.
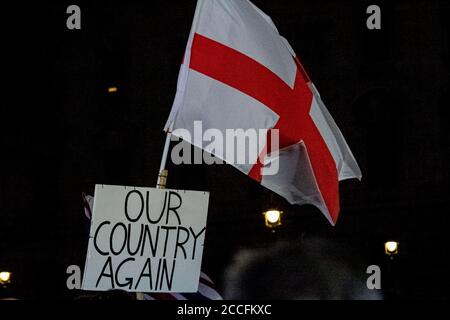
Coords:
146,240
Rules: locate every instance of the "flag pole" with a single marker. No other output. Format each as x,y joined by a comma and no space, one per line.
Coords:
162,175
161,182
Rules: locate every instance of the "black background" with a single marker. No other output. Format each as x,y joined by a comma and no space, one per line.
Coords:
61,132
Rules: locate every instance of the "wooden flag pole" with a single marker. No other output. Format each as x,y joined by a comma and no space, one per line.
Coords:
162,175
161,182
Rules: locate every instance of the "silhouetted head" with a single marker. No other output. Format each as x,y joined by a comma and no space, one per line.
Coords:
312,269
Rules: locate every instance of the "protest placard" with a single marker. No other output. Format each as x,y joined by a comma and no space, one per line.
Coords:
146,240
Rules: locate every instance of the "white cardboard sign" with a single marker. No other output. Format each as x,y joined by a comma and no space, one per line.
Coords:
146,240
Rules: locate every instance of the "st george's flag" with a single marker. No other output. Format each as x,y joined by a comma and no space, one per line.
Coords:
239,73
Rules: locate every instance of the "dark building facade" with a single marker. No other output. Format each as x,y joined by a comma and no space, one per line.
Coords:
63,133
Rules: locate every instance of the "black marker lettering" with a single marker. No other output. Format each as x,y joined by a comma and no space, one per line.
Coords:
180,244
148,210
103,253
175,208
107,275
195,239
153,241
129,280
167,237
148,275
138,245
112,237
165,273
141,205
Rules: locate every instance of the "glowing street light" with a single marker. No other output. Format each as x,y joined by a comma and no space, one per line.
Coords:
391,248
112,89
5,277
272,218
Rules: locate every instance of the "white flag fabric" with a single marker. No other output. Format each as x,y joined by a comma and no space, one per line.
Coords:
239,73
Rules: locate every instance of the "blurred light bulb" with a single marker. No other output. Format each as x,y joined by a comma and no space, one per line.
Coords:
273,218
391,247
5,276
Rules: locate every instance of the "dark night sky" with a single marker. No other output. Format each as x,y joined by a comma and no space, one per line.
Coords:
61,132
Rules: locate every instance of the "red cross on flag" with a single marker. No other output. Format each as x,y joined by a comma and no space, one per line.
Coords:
239,73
